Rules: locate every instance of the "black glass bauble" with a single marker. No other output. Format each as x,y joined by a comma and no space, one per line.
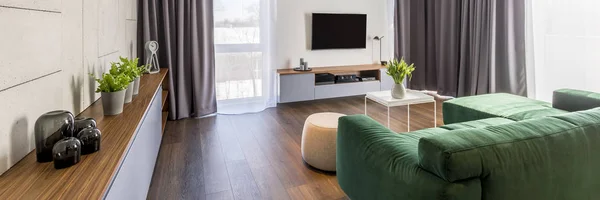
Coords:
82,123
66,152
49,129
90,140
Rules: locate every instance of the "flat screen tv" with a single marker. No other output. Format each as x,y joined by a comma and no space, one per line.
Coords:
339,31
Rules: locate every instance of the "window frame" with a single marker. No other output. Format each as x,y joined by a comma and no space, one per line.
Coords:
260,47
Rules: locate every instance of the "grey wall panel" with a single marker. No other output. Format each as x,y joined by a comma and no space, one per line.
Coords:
109,26
134,177
131,9
297,87
43,5
30,45
346,89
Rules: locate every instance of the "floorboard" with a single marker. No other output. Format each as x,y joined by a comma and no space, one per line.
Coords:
257,156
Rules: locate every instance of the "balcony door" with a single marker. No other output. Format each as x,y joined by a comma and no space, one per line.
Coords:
242,40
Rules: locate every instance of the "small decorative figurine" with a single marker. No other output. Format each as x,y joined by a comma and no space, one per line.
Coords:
81,123
66,152
90,140
49,129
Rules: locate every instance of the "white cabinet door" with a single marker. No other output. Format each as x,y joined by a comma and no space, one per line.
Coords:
296,87
135,174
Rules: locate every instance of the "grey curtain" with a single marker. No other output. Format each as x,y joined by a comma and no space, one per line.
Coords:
463,47
184,31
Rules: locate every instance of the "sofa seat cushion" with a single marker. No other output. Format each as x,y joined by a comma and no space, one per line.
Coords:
425,132
478,123
509,106
464,125
534,114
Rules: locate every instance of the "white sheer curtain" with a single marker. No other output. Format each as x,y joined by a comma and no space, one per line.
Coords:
389,40
566,46
244,48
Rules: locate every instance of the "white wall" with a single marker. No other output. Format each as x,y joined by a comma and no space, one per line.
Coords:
293,32
47,48
566,36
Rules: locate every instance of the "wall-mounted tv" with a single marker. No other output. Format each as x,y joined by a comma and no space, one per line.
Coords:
339,31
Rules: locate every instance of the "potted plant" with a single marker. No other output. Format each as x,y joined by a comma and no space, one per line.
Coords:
124,69
398,71
132,69
113,90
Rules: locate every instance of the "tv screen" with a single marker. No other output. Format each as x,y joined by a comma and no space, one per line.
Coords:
339,31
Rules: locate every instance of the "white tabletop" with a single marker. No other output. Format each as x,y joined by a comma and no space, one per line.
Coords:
412,97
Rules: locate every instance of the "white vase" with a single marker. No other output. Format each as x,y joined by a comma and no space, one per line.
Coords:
136,86
129,93
398,91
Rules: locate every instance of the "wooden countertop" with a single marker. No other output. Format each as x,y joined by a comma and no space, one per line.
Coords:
333,69
94,174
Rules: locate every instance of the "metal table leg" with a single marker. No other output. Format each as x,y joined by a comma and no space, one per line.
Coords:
388,118
408,120
365,105
434,113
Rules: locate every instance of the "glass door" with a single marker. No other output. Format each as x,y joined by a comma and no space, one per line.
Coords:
238,50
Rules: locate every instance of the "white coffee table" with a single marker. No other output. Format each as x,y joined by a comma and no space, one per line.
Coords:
411,97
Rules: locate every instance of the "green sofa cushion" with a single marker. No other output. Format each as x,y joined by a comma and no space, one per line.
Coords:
510,106
478,123
546,158
575,100
534,114
375,163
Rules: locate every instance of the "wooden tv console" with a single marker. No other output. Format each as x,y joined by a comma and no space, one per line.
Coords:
297,86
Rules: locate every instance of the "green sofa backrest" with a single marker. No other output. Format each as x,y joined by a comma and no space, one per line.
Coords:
548,158
575,100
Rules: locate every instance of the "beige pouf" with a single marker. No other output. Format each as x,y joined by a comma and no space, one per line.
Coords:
319,139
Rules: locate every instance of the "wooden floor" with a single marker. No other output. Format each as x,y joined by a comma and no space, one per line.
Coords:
257,156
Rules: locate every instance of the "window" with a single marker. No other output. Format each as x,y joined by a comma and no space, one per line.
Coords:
238,49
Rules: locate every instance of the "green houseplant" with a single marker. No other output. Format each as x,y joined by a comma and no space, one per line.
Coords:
113,88
118,69
399,70
131,68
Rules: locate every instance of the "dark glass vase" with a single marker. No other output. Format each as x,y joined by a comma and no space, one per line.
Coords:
49,129
90,140
66,152
81,123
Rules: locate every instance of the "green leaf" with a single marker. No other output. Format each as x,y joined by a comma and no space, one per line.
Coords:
120,75
399,70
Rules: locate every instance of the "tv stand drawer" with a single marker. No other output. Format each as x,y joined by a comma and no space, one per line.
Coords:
346,89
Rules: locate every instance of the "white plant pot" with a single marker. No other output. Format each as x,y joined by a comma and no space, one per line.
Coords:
129,93
136,86
112,102
398,92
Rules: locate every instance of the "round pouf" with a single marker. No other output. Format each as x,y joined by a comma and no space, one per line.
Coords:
319,139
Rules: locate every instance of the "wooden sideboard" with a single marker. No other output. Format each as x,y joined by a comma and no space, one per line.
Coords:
333,69
122,169
297,86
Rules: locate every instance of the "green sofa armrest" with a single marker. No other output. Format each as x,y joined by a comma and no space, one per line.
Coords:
471,153
522,160
575,100
375,163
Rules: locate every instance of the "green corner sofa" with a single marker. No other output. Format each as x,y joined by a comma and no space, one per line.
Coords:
496,146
